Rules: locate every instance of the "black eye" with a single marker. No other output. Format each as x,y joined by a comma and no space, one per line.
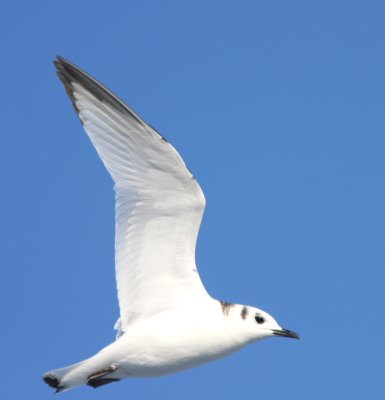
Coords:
259,319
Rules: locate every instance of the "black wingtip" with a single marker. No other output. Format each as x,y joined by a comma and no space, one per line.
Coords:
60,63
71,69
70,73
63,71
59,59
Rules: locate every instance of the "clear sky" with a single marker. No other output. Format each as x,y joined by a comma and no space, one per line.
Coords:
278,109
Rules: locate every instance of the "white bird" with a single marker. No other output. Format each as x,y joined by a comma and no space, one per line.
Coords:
168,322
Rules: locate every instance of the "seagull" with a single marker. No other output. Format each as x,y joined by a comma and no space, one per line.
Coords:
168,322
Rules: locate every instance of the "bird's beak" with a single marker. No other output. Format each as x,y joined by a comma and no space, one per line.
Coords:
286,333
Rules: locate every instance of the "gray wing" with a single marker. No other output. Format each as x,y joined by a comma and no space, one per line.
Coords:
159,205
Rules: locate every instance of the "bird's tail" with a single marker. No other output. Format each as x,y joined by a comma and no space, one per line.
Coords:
95,372
55,378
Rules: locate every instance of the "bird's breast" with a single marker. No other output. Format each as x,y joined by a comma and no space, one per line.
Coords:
173,343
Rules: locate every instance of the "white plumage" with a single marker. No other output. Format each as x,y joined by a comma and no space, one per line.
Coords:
167,322
159,207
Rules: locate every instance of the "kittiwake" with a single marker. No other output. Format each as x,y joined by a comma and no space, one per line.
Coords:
168,322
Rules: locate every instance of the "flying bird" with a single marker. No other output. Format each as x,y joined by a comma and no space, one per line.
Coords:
168,322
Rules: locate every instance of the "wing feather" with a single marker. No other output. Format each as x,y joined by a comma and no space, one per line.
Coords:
159,204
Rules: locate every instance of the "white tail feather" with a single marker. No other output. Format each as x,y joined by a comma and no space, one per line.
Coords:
55,377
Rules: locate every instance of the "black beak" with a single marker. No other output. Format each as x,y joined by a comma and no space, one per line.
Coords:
286,333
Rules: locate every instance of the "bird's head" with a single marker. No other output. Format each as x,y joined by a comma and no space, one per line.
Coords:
254,323
262,325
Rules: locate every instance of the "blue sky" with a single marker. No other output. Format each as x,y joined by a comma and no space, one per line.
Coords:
278,109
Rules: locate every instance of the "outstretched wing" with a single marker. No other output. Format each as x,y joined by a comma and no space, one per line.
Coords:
159,204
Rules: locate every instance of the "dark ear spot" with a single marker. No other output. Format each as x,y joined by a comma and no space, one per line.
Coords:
244,312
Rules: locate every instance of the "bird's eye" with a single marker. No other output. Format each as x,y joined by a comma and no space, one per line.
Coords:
259,319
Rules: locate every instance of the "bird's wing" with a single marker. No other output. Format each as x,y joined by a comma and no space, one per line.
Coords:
159,204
